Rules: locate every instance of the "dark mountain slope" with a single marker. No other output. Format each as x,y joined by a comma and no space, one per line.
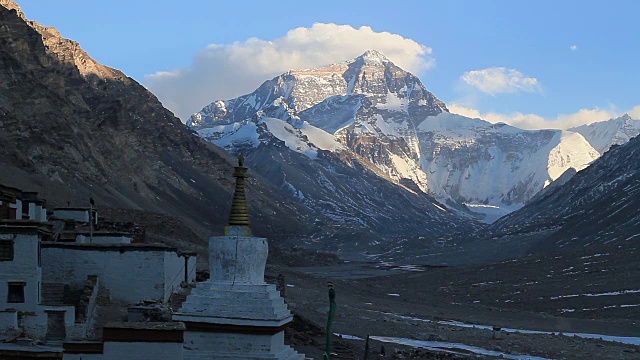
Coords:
600,204
73,128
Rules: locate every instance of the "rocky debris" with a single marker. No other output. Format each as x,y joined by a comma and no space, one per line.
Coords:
307,337
149,311
431,355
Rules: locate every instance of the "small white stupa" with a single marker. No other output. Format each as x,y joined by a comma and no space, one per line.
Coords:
235,314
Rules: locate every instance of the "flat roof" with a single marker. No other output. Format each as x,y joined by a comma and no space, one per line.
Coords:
76,208
13,347
13,226
104,233
145,325
108,247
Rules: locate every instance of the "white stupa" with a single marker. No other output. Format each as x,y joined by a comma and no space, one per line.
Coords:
235,314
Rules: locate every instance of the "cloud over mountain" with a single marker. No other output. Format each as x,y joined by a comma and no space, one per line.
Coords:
536,122
228,70
497,80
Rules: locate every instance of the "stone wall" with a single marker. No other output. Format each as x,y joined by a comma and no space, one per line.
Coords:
142,350
35,323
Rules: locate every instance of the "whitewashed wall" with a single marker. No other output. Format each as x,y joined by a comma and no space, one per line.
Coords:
24,267
88,357
18,207
31,210
203,345
77,215
142,351
130,276
174,272
192,268
101,239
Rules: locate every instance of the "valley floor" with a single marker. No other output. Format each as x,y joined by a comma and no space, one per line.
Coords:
566,301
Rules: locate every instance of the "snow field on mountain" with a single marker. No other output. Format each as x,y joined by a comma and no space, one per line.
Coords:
381,114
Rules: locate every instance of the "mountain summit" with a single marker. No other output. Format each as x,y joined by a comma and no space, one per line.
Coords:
371,75
387,120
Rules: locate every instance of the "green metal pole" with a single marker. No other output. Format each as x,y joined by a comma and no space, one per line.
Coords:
366,348
332,313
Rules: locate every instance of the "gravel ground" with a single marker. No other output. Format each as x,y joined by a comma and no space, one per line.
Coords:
420,305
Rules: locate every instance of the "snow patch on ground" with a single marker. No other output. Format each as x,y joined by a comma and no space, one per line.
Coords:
348,337
612,293
621,339
449,347
492,212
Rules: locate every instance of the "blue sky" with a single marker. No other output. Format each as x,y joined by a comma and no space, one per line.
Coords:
525,43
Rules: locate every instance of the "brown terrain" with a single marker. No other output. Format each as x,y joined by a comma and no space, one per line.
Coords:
561,294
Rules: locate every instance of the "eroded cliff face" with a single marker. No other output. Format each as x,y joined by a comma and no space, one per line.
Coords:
81,126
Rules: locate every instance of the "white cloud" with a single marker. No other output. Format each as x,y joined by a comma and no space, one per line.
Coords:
573,47
227,71
533,121
634,112
496,80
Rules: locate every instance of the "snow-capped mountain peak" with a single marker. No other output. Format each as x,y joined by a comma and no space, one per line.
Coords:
372,58
372,112
604,134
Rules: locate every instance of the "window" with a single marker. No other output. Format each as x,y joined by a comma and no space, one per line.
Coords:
6,250
16,292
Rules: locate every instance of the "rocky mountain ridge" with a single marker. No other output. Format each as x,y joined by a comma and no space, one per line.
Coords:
379,113
604,134
599,205
73,128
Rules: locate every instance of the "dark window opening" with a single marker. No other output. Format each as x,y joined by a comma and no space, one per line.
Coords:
6,250
16,292
13,213
25,211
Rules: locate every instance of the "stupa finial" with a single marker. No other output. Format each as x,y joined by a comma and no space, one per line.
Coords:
239,215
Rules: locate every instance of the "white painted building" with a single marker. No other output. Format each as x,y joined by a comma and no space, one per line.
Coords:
20,266
131,272
21,283
33,207
100,237
236,314
138,340
79,214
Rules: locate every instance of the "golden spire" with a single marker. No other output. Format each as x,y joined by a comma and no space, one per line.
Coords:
239,215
